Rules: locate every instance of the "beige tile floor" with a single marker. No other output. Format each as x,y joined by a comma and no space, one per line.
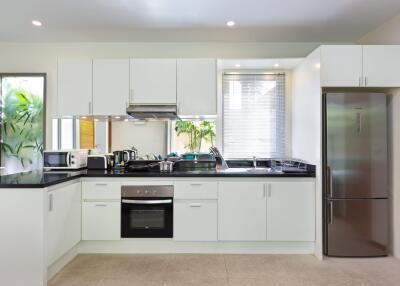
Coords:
224,270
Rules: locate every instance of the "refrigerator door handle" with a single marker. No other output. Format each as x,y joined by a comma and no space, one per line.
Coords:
330,212
330,184
359,122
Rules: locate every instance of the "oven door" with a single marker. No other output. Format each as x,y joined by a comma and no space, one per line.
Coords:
146,217
57,159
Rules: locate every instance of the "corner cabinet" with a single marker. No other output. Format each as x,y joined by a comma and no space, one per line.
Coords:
242,211
197,87
291,211
152,81
63,220
74,87
110,86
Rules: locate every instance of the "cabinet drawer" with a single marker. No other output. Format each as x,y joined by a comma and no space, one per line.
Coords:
101,190
196,190
101,221
195,220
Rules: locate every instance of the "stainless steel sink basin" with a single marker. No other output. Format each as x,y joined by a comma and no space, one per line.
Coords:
250,170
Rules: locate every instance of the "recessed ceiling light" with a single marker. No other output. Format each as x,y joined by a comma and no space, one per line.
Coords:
276,65
237,65
36,23
83,117
126,119
230,23
117,117
96,120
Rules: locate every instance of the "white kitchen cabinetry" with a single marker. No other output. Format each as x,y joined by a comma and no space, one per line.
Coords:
291,211
110,86
197,87
195,220
101,210
381,65
64,220
101,220
242,211
74,87
152,81
341,66
195,211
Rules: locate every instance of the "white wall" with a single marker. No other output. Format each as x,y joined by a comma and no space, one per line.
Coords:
148,137
388,33
42,57
307,127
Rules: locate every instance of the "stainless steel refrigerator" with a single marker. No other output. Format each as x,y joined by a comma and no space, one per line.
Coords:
356,204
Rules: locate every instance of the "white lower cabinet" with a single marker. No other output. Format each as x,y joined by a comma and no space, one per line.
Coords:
101,220
291,211
242,211
63,220
195,220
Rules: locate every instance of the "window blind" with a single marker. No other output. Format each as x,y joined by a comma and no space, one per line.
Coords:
253,115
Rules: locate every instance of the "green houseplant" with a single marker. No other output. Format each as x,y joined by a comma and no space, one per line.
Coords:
22,132
196,132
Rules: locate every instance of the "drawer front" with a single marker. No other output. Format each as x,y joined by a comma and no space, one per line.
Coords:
196,190
101,190
195,220
101,221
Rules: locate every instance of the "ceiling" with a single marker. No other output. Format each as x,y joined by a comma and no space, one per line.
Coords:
193,20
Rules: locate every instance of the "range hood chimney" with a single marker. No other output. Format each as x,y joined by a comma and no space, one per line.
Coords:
150,111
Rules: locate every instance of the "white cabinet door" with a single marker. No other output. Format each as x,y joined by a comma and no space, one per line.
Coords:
195,220
101,220
74,86
291,211
110,86
381,65
341,65
197,87
153,81
242,211
64,220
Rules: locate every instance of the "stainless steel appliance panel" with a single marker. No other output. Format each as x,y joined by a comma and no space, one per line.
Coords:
356,145
357,227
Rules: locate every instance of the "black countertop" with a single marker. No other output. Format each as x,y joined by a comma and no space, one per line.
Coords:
40,179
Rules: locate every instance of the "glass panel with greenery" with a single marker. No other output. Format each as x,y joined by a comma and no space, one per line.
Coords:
192,136
22,133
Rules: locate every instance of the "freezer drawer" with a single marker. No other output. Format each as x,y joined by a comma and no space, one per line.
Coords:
357,227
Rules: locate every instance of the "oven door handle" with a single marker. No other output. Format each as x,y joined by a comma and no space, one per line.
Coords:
147,202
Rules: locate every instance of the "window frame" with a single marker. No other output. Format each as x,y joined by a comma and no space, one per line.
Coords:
288,104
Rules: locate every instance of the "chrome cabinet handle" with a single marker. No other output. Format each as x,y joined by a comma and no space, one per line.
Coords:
147,202
365,81
101,184
264,192
330,183
195,205
51,202
196,184
100,205
269,190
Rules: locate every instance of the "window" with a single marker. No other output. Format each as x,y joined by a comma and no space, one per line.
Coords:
64,133
192,136
22,121
253,115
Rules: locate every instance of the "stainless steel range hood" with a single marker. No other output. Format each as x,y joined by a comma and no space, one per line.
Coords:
149,111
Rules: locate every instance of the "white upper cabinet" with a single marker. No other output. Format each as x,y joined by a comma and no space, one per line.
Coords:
381,65
74,85
341,66
152,81
291,211
110,86
242,211
196,87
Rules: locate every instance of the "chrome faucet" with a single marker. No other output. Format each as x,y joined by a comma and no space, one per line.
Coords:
254,162
221,164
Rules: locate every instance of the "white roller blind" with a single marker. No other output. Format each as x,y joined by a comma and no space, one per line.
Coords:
253,115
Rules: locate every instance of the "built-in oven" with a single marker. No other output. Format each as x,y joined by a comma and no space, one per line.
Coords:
147,211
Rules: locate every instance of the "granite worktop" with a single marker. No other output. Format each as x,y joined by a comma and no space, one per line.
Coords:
41,179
